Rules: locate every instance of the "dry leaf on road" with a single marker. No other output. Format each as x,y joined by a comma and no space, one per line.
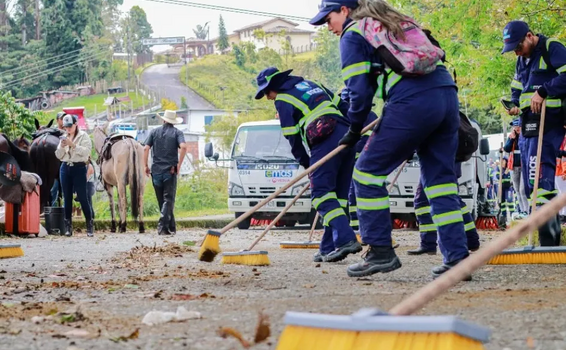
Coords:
262,331
226,332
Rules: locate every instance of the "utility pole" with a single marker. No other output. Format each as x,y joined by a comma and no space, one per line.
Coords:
3,20
128,49
186,69
24,15
37,21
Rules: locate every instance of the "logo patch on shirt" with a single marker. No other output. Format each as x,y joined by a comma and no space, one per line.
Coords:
303,86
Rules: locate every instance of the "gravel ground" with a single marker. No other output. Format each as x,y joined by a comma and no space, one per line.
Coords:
103,287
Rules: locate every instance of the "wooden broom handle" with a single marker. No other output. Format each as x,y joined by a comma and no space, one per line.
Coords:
537,170
278,217
456,274
295,180
314,225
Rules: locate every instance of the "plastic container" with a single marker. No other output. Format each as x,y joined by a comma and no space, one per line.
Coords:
54,220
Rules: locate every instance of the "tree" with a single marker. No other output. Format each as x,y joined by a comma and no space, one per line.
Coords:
15,119
327,59
223,42
140,28
201,32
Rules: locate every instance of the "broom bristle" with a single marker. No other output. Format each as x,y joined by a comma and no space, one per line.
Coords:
299,245
321,332
210,246
251,258
11,251
530,256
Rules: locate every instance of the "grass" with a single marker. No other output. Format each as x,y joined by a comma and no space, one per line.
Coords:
89,102
140,69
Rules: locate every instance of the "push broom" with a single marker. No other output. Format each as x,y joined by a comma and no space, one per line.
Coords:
258,258
8,251
210,246
531,254
376,330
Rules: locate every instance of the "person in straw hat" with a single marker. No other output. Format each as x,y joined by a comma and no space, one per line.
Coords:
168,152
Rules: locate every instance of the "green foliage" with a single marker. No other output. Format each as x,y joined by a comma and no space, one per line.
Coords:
223,42
139,28
15,119
184,102
168,105
204,189
327,65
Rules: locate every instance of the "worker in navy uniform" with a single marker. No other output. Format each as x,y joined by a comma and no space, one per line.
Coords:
420,113
513,148
310,117
540,74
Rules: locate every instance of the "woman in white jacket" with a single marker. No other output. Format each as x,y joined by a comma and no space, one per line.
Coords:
73,151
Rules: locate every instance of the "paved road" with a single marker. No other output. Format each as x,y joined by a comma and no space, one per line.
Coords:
114,285
165,79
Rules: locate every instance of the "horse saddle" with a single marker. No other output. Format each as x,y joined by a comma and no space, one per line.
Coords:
110,140
47,131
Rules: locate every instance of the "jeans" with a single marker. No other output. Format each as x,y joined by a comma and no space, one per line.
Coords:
89,193
55,193
73,180
165,186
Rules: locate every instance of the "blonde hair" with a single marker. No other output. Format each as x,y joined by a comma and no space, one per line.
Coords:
384,13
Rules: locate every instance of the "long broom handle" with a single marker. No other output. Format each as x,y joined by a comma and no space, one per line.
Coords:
450,278
314,225
295,180
537,170
278,217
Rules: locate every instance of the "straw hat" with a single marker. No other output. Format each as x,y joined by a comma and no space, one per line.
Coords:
171,117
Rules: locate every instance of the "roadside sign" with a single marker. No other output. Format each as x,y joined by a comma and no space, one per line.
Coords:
163,41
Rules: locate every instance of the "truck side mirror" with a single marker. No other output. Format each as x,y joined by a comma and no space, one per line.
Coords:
484,147
208,150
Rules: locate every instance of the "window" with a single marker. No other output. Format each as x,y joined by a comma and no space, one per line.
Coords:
208,119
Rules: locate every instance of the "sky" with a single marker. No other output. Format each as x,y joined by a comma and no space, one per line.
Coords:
174,20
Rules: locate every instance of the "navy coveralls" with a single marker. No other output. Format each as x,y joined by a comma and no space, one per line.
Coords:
420,113
299,103
532,74
427,227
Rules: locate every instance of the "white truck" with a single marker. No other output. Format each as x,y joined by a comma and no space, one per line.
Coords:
261,162
472,181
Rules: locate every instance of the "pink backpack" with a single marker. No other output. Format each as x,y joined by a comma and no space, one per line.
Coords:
414,56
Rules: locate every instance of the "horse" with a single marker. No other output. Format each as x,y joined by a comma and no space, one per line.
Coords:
47,165
22,143
21,155
120,167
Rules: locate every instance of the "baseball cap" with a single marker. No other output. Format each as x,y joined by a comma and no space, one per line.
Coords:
326,7
513,33
69,120
60,115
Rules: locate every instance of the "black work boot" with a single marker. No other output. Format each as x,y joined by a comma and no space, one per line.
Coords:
342,252
439,270
90,228
378,259
421,251
550,232
68,228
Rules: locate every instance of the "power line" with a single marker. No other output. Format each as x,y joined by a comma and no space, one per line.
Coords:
38,62
230,9
54,70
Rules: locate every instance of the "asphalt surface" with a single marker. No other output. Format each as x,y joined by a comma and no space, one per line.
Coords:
165,80
113,280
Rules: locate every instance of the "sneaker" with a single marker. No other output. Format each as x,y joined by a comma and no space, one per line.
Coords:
318,257
377,259
342,252
439,270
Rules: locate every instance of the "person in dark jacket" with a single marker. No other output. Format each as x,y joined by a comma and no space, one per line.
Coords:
310,117
540,74
513,147
169,150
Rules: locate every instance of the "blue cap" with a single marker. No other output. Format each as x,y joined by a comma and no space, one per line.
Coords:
265,78
513,34
326,7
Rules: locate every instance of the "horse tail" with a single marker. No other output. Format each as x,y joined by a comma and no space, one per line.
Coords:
134,178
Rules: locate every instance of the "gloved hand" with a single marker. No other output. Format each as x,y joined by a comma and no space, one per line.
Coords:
305,165
351,138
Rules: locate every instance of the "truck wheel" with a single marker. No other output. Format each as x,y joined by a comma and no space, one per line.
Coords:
244,225
290,223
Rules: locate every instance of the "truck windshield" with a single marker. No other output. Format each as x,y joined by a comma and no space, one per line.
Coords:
262,142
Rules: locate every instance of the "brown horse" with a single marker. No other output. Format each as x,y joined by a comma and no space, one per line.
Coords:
21,155
123,167
42,153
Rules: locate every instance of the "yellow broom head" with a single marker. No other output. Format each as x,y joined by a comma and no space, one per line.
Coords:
367,331
210,246
11,251
299,245
530,255
251,258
